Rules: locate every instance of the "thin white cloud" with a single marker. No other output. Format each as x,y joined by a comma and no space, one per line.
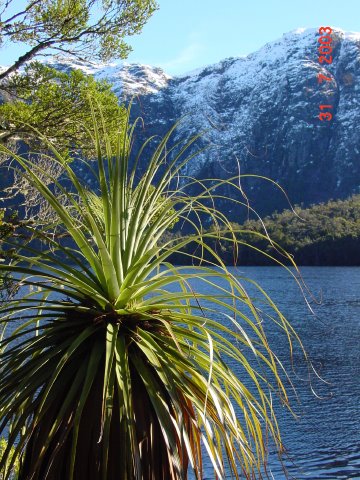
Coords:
186,57
191,54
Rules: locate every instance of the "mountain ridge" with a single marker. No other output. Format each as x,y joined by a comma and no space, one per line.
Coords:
260,113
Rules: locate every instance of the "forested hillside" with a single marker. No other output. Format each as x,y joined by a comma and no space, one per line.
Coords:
324,234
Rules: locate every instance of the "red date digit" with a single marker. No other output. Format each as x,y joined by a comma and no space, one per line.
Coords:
328,49
324,58
325,30
322,77
325,116
325,49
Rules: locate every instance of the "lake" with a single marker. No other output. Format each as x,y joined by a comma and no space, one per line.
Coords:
324,442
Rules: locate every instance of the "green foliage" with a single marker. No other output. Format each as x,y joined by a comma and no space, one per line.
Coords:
329,221
87,29
57,104
118,368
323,234
53,102
163,205
13,471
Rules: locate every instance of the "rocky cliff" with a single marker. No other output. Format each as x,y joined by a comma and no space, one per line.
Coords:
260,113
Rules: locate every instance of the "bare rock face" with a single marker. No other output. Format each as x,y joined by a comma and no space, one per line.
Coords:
259,114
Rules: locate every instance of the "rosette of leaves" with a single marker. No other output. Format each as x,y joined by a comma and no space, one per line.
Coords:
117,367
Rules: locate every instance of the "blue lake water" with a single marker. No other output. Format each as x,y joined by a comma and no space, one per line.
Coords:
324,442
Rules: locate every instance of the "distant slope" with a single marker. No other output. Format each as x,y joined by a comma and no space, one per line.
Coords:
324,234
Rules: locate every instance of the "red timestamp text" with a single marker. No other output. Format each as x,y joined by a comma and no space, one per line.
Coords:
325,50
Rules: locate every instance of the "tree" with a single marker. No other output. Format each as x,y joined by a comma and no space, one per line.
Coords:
84,29
57,104
39,98
118,369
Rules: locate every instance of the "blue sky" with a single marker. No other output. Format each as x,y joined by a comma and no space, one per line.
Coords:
186,34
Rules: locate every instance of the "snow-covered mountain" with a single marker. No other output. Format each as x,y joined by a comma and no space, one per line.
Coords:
261,112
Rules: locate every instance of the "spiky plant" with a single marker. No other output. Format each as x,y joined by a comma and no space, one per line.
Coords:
15,468
116,368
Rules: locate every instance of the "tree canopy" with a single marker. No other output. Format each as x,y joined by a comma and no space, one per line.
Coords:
36,97
84,29
57,104
323,234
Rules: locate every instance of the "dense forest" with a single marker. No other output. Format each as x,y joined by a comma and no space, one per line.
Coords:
323,234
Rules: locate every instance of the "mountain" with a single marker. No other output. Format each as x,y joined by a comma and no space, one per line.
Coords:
260,114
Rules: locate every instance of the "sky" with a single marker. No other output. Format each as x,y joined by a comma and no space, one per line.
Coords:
187,34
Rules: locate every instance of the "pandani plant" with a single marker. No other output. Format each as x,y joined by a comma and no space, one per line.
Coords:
114,365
